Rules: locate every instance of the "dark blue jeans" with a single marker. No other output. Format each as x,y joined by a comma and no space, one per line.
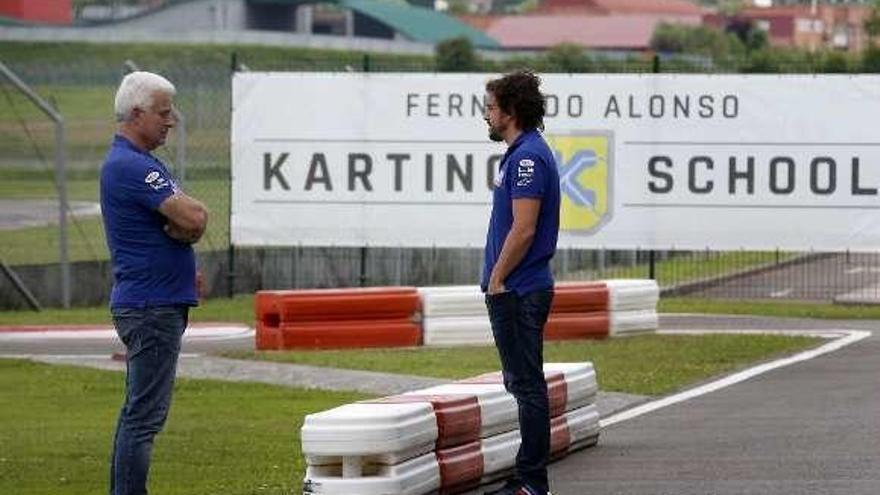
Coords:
518,327
152,338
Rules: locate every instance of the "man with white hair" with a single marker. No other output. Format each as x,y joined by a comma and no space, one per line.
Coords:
151,225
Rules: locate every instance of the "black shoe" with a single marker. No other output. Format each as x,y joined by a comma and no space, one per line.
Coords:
510,487
514,487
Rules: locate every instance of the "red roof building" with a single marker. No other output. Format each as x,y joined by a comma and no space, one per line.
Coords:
632,7
596,32
42,11
838,26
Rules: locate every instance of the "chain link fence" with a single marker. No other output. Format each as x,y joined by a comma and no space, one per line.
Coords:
80,81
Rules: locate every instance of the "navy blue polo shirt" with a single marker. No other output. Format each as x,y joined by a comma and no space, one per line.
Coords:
149,268
528,170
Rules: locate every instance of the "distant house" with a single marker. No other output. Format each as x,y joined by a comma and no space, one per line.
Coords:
611,25
828,26
596,32
38,11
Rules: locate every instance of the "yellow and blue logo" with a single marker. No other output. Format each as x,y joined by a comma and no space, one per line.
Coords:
585,179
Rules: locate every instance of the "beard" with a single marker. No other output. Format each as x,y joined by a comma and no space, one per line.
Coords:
494,133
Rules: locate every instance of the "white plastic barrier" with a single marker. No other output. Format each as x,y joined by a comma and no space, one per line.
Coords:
452,300
632,294
394,429
498,411
624,323
455,315
457,330
360,434
476,463
413,477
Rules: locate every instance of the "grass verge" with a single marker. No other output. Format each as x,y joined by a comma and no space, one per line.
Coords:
675,360
228,438
240,309
783,309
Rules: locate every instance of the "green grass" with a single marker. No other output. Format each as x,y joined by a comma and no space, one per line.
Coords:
223,438
675,360
688,267
86,241
168,56
240,309
783,309
237,310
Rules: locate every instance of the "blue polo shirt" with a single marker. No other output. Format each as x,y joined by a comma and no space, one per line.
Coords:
149,268
528,170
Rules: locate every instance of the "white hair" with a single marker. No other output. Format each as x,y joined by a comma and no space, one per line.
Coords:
137,90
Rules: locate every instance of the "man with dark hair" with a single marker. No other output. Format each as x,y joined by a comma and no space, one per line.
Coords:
517,279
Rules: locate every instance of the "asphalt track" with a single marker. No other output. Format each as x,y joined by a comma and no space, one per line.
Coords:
809,427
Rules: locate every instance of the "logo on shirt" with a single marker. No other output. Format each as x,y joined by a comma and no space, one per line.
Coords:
525,172
585,179
155,180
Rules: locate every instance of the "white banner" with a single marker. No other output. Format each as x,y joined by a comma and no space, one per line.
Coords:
647,161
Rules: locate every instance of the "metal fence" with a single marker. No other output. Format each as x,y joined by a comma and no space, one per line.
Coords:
81,86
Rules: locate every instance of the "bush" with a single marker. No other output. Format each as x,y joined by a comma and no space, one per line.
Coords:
567,57
871,60
456,55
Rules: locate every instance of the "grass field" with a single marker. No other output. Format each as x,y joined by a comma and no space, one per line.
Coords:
221,438
237,439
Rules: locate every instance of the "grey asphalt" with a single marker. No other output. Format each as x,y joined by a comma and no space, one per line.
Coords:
809,428
846,278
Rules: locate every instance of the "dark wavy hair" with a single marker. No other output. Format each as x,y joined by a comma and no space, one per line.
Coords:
518,93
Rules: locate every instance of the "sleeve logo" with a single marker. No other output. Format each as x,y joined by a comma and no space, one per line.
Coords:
155,180
525,172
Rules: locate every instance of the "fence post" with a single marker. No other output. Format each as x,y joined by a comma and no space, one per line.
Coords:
60,178
652,264
230,250
363,275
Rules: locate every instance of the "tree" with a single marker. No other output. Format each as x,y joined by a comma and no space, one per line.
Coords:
872,23
696,40
456,55
568,57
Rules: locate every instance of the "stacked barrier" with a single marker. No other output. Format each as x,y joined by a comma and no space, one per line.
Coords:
579,311
334,318
447,439
633,306
455,315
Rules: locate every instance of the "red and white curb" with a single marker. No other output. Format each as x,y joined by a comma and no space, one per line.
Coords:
42,333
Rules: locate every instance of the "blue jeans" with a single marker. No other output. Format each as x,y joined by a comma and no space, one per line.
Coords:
518,327
152,338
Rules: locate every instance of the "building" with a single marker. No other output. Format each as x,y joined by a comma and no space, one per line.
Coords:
603,25
42,12
820,26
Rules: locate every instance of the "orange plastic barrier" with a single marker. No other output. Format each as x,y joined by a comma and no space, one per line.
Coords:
337,318
461,467
458,416
560,437
268,338
350,334
568,326
298,306
582,297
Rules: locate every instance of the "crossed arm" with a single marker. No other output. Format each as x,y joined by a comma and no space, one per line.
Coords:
187,217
